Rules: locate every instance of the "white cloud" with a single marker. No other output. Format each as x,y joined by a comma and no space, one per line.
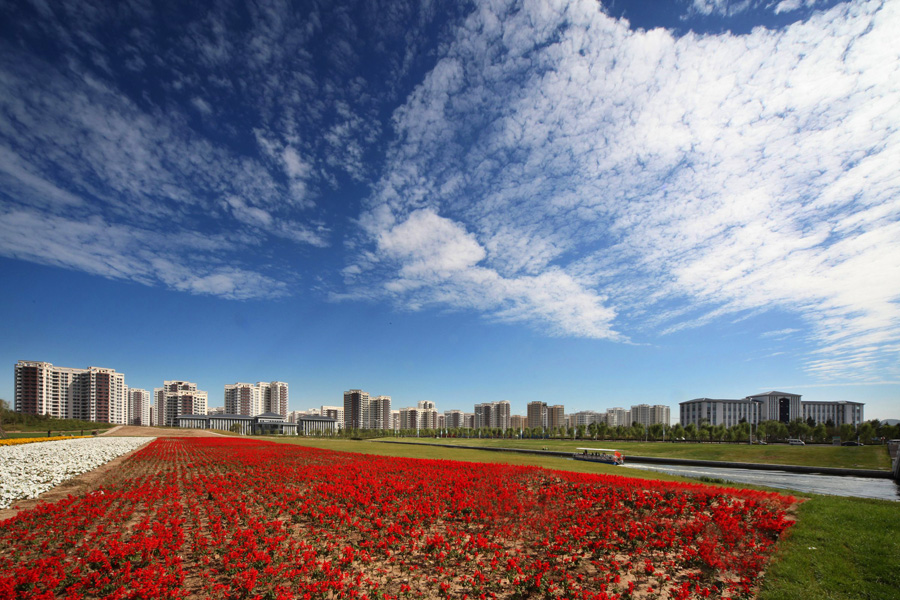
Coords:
123,252
681,180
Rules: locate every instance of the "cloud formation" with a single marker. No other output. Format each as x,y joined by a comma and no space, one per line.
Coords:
197,127
673,180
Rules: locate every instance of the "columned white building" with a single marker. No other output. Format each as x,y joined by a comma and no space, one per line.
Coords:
770,406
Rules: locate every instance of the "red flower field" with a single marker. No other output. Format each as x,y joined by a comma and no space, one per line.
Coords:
237,518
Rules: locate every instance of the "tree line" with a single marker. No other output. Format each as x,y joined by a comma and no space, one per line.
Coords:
768,431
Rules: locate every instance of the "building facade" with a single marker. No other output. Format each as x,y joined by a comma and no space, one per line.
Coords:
840,413
493,415
243,399
177,398
139,407
771,406
647,415
556,416
268,423
91,394
618,416
333,412
354,401
537,415
454,419
251,399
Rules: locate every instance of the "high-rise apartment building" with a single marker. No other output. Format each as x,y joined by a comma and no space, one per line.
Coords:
556,416
537,414
427,414
250,400
492,414
518,422
454,419
243,399
138,407
274,397
618,416
379,413
586,417
647,415
361,411
178,398
354,401
92,394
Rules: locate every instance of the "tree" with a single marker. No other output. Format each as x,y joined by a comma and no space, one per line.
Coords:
819,433
865,432
235,428
690,431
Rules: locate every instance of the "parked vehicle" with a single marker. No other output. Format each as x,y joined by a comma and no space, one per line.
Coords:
852,444
796,442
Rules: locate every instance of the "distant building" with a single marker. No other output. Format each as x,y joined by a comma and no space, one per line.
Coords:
454,419
92,394
254,399
618,416
537,415
361,411
556,416
422,416
492,414
354,401
771,406
139,407
333,412
243,399
274,397
586,417
648,415
268,423
378,415
178,398
840,413
215,410
518,422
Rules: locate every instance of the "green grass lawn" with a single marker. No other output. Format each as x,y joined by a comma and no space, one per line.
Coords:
42,434
839,549
847,457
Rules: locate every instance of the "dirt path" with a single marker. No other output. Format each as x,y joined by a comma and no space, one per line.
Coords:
84,483
137,431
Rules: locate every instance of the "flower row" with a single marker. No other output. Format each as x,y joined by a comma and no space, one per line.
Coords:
236,518
28,470
34,440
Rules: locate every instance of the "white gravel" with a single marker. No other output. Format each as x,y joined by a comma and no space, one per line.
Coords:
28,470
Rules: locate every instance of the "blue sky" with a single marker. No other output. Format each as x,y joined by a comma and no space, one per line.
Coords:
593,204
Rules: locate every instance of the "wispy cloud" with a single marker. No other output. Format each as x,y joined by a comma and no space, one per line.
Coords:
674,180
779,333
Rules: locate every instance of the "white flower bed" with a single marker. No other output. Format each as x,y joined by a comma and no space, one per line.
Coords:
28,470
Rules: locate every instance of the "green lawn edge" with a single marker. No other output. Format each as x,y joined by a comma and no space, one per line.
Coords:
874,457
838,549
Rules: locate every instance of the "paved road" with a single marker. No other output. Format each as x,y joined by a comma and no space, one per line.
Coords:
860,487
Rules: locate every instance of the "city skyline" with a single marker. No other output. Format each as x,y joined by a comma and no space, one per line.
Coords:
592,204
